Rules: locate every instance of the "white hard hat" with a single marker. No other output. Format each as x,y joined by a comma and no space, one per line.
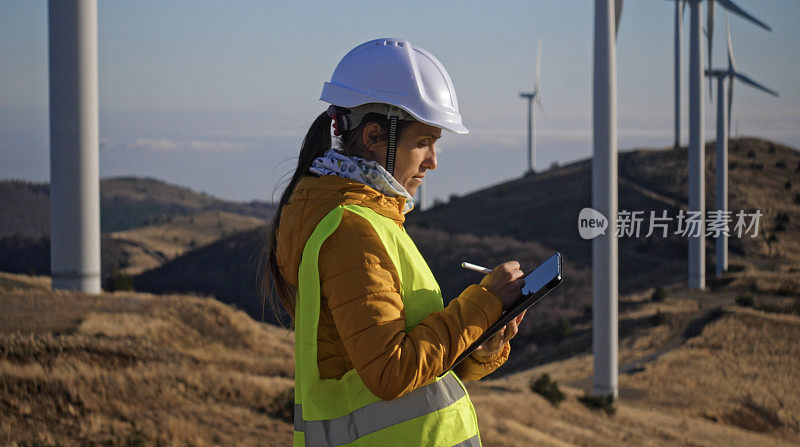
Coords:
394,72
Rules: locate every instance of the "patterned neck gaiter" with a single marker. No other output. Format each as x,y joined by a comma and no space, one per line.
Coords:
368,172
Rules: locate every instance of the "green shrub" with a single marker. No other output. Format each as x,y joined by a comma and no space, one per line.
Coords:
744,301
788,287
658,318
548,388
658,295
282,407
562,328
119,281
605,403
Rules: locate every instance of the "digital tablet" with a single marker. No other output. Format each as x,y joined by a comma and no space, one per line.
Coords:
537,283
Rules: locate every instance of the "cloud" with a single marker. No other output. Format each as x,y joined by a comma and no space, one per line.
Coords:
170,145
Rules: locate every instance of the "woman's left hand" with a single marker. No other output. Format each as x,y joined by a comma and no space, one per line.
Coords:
493,345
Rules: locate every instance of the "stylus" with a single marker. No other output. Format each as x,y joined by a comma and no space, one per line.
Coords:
477,268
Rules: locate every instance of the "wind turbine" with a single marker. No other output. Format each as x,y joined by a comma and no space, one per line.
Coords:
605,265
680,7
724,106
74,145
419,199
697,278
533,96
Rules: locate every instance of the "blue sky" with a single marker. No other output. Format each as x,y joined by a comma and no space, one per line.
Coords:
217,96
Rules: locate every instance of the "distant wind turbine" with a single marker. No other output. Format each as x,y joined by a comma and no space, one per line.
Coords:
420,197
534,96
680,7
724,107
696,157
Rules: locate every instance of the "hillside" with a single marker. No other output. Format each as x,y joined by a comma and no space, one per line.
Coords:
732,384
125,203
145,222
544,208
138,369
226,269
150,246
131,202
530,217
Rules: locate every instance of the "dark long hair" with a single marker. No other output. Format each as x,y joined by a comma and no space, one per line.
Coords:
273,287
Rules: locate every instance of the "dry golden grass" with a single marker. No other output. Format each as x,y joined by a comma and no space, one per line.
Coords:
10,281
128,368
150,246
734,385
84,370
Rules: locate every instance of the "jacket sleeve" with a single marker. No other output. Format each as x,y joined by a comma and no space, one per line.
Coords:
474,368
361,286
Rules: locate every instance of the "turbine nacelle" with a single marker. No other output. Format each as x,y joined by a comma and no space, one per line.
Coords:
731,73
732,7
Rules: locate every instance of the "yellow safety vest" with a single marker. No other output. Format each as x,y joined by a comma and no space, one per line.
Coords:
333,412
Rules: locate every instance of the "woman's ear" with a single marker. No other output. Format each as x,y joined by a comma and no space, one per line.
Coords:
371,135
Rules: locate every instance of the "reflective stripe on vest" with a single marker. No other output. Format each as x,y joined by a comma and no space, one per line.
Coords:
343,411
379,415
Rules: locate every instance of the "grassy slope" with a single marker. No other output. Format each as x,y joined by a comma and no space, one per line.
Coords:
125,203
544,208
108,370
150,246
732,385
77,369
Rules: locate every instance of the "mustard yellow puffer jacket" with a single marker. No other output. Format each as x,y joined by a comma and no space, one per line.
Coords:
361,321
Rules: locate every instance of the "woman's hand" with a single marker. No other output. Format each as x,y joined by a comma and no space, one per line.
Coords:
493,345
505,281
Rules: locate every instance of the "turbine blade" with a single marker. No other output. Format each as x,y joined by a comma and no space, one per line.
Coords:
617,15
540,104
538,66
754,84
731,64
730,6
710,27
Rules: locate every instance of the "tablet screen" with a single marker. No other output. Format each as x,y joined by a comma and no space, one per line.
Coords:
539,278
537,283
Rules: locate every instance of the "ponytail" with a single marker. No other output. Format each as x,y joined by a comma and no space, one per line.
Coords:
273,286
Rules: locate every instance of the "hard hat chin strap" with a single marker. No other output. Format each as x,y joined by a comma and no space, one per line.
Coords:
391,149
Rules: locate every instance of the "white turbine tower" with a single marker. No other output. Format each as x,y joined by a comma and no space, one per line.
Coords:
419,199
724,106
680,6
74,144
534,96
697,277
604,199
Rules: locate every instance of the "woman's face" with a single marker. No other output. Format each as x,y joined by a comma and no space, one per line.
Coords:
416,152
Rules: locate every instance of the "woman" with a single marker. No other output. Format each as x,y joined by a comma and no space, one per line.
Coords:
373,341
